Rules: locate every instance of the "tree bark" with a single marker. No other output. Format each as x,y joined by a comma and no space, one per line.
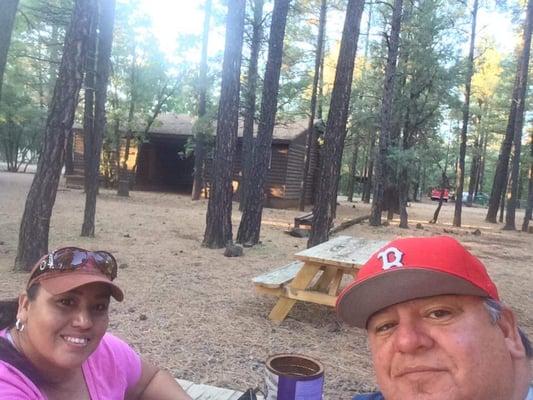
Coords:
123,174
199,150
381,173
444,184
336,125
529,206
35,224
475,164
89,89
249,116
519,122
514,122
105,40
353,168
218,220
460,174
7,20
250,226
310,144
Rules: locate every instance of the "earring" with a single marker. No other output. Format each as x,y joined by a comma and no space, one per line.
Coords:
19,326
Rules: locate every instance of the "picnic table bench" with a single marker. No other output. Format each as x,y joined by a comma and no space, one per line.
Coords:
306,220
317,274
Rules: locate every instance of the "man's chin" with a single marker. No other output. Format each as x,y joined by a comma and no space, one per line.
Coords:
423,388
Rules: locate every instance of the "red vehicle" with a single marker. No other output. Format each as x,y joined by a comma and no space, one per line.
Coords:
435,194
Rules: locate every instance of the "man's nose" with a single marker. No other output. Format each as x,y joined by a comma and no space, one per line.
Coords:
411,336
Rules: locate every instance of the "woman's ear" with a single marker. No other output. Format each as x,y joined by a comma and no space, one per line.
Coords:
24,304
508,326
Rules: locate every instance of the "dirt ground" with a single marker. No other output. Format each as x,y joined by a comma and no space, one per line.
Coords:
194,311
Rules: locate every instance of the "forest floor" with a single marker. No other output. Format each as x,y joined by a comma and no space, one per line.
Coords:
194,311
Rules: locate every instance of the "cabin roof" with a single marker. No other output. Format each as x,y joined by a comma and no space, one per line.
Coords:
171,124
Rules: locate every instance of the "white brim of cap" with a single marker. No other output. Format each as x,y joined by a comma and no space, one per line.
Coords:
360,301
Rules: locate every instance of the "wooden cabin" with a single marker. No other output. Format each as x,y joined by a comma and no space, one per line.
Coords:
160,162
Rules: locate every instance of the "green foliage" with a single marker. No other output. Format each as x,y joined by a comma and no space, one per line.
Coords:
30,76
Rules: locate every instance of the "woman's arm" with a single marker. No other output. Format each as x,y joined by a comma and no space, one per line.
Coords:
156,384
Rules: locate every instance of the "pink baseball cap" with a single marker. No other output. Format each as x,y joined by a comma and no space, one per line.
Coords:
411,268
68,268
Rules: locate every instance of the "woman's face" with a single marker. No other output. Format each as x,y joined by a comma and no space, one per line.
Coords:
61,331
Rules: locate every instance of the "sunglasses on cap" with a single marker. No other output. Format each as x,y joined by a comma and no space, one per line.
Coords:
73,258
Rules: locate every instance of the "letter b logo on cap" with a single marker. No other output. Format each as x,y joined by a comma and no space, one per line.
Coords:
391,257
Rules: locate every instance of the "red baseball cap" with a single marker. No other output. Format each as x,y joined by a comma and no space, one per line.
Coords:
411,268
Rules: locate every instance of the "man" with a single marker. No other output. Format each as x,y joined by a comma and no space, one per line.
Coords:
436,327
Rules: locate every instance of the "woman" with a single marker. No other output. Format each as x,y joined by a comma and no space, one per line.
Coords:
54,345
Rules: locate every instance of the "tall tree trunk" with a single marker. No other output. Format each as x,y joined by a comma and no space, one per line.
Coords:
474,166
7,20
482,163
380,176
460,174
444,184
218,220
515,120
529,206
519,121
199,150
250,226
249,112
69,154
89,89
352,171
336,125
35,224
105,40
310,144
367,189
320,97
123,173
356,138
502,200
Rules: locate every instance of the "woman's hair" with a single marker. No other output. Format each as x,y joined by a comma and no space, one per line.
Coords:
8,353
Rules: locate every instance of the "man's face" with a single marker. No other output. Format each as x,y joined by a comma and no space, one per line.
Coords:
441,348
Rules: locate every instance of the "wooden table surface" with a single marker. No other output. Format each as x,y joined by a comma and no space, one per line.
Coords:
319,279
342,251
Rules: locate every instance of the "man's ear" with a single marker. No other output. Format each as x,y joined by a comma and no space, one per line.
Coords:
508,326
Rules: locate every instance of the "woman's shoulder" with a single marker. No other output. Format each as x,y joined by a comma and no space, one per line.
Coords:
15,385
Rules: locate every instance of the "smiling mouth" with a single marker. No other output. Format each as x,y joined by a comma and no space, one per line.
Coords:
77,341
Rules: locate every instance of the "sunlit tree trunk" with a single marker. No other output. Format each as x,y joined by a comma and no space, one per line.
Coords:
310,144
250,226
7,20
380,175
519,123
35,224
249,112
336,125
529,206
515,120
105,40
199,145
218,231
460,174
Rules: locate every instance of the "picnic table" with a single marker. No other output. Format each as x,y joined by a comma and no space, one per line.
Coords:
317,275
